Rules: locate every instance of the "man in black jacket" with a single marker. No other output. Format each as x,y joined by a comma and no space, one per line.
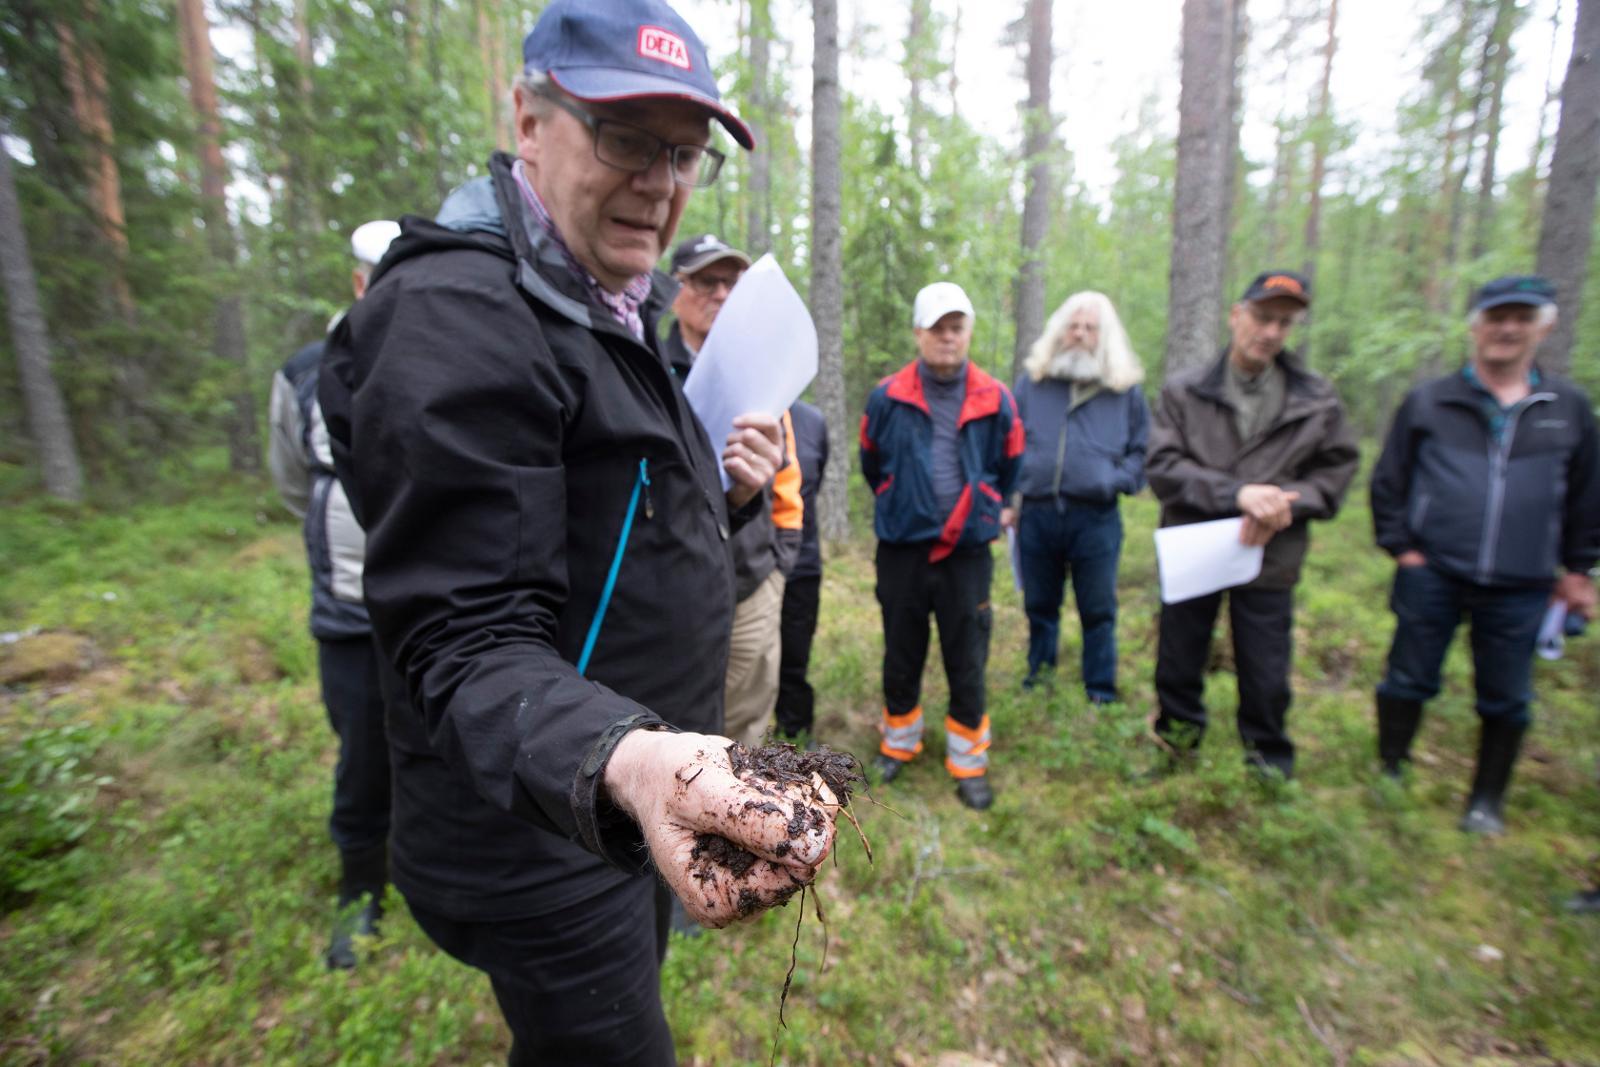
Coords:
302,468
547,567
1489,482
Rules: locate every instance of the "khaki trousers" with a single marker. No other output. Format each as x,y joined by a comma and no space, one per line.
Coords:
751,689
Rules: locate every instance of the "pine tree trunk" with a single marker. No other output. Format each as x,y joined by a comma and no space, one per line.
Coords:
916,75
1321,131
827,269
1195,291
1568,225
47,413
83,71
244,446
1037,128
1238,44
758,222
1497,59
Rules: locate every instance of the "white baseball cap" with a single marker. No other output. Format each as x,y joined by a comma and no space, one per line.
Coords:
371,240
936,301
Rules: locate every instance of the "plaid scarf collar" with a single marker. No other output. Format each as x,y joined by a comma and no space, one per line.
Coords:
623,306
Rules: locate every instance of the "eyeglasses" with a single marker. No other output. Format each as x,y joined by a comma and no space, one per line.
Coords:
633,149
707,284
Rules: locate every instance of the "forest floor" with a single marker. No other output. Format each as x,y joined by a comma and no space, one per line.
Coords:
166,882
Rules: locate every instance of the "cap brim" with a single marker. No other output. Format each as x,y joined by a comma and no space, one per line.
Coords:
1532,300
614,83
705,259
941,313
1300,298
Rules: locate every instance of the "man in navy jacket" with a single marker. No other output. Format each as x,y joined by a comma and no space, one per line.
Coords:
1488,486
941,445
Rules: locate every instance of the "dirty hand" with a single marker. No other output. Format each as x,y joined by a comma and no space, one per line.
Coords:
681,790
1266,511
753,456
1577,590
1008,518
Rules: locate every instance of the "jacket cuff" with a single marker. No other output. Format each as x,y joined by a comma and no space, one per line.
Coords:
750,509
603,828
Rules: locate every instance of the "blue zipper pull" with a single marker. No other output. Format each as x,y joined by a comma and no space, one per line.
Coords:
644,479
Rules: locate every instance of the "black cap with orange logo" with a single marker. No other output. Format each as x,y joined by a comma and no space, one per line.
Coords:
1270,284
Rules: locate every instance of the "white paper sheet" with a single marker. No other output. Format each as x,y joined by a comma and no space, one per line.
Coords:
1204,557
760,355
1552,631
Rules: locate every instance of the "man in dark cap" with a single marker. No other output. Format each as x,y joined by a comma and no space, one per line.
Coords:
1254,433
547,567
1487,494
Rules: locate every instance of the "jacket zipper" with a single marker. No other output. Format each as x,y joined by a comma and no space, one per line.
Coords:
1499,455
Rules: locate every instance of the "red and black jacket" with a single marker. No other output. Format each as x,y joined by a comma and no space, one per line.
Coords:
897,460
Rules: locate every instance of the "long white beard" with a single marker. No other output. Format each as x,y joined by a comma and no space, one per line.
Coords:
1075,364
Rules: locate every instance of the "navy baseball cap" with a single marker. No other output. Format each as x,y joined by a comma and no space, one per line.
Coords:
624,50
1529,289
702,251
1275,283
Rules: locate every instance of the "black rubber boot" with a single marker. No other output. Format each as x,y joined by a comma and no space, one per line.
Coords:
1397,726
888,767
975,793
1498,745
1585,903
364,875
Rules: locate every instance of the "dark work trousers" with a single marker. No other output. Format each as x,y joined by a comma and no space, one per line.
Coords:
349,670
1428,606
796,699
956,591
580,987
1263,644
1060,538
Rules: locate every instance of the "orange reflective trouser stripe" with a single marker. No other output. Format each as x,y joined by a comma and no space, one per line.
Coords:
966,749
902,734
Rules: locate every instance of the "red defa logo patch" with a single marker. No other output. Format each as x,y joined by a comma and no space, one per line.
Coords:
1283,281
668,47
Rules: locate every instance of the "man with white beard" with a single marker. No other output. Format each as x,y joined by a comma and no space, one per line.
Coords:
1086,423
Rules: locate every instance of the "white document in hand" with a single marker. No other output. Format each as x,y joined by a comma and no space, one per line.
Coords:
1204,557
760,355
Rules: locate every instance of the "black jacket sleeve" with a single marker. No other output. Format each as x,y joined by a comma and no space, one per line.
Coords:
1580,527
456,424
1391,483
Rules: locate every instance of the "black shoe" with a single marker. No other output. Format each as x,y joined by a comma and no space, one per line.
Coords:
1498,744
1039,677
975,792
355,920
888,767
1099,700
362,876
1585,903
1398,721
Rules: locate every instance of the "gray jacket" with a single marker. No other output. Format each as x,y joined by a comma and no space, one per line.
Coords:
302,468
1093,451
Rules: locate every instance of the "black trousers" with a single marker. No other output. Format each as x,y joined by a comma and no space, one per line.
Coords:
580,987
1263,644
796,700
349,670
956,591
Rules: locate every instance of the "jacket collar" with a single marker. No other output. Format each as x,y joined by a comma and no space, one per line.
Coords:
981,400
1304,392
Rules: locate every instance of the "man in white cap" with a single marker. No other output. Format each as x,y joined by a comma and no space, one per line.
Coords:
941,446
302,467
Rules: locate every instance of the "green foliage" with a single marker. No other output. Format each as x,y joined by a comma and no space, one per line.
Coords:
46,795
175,913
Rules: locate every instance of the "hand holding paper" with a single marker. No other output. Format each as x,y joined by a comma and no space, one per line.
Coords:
1204,557
760,355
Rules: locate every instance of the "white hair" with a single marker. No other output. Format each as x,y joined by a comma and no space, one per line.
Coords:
1120,369
1547,316
532,85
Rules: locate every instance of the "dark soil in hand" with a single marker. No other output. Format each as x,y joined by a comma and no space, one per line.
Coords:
780,772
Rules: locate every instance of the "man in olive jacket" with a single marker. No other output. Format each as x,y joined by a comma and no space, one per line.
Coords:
1253,434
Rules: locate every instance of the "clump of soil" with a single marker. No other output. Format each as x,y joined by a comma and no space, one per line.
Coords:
775,771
